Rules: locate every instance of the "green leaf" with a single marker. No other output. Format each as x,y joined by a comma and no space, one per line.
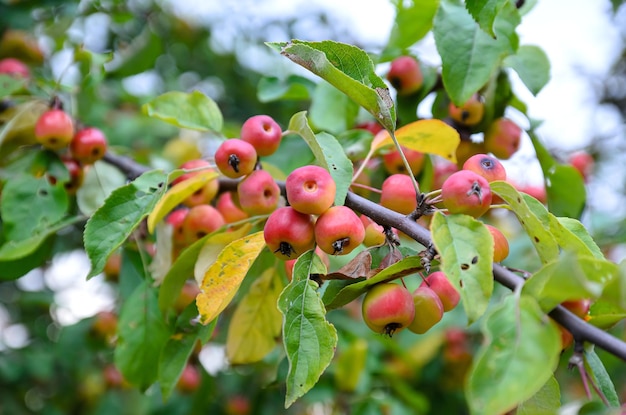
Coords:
414,19
193,110
16,249
14,269
99,182
331,110
142,334
140,55
601,377
466,248
538,231
546,401
469,55
293,87
611,306
10,84
121,213
519,355
532,65
309,339
484,13
348,69
328,154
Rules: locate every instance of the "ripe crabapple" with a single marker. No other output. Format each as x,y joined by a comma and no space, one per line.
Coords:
579,307
263,133
189,380
104,324
442,169
439,283
235,158
487,166
289,233
536,191
502,138
428,309
405,75
14,67
77,175
388,308
201,220
54,129
500,244
398,193
187,295
207,192
290,263
88,145
258,193
310,189
339,230
583,162
392,161
466,192
176,218
372,126
229,209
470,113
374,233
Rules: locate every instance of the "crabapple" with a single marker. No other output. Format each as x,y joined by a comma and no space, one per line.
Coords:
339,230
77,174
188,294
189,380
388,308
583,162
54,129
310,189
229,209
536,191
104,324
235,158
258,193
398,193
428,309
372,126
201,220
374,233
290,263
405,75
470,113
263,133
502,138
392,161
14,67
466,192
500,244
439,283
113,266
487,166
579,307
88,145
442,169
207,192
289,233
176,219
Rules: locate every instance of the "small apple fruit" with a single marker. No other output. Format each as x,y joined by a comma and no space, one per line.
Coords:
392,161
428,309
502,138
176,219
388,308
405,75
231,211
289,233
88,145
468,114
14,67
466,192
487,166
54,129
500,244
258,193
187,295
310,189
206,193
201,220
583,162
398,193
439,283
263,133
339,230
189,380
235,158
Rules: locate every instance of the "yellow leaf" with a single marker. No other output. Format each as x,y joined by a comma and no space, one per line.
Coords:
427,136
179,192
213,246
257,322
224,276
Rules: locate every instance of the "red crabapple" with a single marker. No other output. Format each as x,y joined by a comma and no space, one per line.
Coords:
428,309
388,308
176,219
583,162
54,129
200,221
310,189
405,75
502,138
229,209
339,230
207,192
439,283
258,193
500,244
470,113
263,133
392,161
398,193
289,233
88,145
235,158
466,192
14,67
487,166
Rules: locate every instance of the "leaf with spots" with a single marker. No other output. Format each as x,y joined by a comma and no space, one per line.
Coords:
224,276
539,231
328,154
121,213
309,339
256,322
348,69
466,248
519,355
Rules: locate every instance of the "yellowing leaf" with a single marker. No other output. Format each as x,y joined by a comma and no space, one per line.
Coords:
257,322
223,278
179,192
212,248
427,136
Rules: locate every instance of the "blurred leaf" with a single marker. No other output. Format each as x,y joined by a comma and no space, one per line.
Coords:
192,110
532,65
309,339
466,248
601,377
10,84
484,13
546,401
139,56
164,255
256,322
14,269
414,19
177,194
426,136
331,110
223,278
348,69
539,233
291,88
469,55
99,182
350,365
612,303
328,154
519,355
16,249
121,213
142,334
